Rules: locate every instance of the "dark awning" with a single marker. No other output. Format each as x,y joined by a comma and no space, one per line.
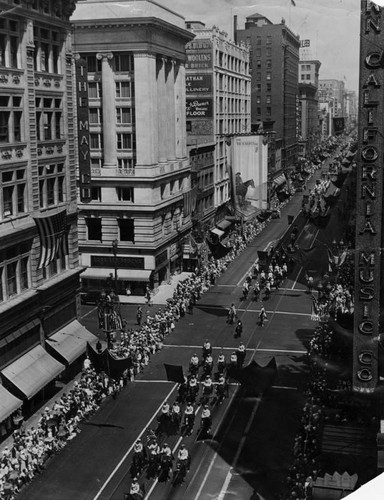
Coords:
122,274
8,403
33,371
224,224
71,341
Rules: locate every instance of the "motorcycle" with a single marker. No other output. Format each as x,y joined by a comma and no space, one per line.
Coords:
138,464
164,421
205,428
135,496
165,469
189,422
179,473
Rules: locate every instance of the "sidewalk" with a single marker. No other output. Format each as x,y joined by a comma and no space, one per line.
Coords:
162,293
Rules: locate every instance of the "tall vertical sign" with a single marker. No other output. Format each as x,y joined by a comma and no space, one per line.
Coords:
83,130
369,197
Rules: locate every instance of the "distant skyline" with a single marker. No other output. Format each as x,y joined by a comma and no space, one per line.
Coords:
332,26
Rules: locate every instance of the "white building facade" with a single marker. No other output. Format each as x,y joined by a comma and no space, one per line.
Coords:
133,225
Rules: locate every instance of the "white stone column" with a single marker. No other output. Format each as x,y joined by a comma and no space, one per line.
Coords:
162,110
171,118
109,111
146,124
180,111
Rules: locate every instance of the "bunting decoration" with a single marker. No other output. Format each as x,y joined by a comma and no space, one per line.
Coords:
53,234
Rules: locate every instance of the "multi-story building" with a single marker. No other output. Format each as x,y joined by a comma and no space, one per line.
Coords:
218,104
39,261
309,72
309,123
274,63
333,91
133,226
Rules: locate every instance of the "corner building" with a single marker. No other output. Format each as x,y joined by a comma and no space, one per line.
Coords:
39,267
140,170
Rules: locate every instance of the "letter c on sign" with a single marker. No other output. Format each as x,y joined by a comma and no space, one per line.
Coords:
366,357
366,327
373,60
365,375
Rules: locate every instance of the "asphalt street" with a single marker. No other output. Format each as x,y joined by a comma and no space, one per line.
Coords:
251,446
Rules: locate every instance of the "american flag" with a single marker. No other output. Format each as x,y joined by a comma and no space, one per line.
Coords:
190,201
53,233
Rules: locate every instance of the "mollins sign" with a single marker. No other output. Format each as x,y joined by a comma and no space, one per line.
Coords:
369,200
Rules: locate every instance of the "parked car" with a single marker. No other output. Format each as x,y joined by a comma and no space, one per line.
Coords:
264,215
89,296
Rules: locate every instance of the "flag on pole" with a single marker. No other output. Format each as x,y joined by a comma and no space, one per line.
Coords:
53,234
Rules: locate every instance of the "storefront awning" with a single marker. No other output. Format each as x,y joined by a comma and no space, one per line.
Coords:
71,341
122,274
33,371
224,224
8,403
280,180
218,232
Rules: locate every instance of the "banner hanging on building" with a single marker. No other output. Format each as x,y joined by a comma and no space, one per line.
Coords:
83,130
53,234
249,164
338,125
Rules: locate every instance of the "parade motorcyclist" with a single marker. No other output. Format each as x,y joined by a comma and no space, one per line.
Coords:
135,488
183,458
207,349
193,388
221,363
194,364
176,413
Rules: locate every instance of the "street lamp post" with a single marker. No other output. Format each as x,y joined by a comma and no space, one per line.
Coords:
115,244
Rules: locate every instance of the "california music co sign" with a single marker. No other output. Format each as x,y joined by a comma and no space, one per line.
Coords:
369,200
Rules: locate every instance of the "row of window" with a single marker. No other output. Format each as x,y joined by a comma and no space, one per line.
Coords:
95,231
231,63
268,75
124,164
51,185
123,89
231,105
119,62
14,270
258,53
268,87
205,203
268,99
13,189
268,111
122,194
268,64
305,76
124,116
231,126
232,84
11,112
49,117
124,140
